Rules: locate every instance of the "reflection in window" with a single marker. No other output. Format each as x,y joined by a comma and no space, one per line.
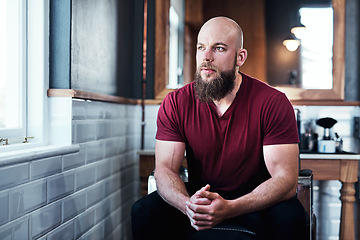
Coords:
176,43
316,48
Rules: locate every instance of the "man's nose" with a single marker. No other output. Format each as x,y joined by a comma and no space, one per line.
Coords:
208,56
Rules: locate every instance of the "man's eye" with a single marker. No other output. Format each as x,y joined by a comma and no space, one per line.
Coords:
200,48
221,49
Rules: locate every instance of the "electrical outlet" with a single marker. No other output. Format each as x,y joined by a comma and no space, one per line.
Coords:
357,127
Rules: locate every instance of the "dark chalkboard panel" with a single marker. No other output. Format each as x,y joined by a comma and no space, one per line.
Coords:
106,47
94,45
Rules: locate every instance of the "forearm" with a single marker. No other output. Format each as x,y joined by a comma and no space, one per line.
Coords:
169,157
172,188
265,195
282,164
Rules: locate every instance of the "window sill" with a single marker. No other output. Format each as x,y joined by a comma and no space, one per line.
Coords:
73,93
25,155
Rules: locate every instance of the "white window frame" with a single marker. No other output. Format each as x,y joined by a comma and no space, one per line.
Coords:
37,75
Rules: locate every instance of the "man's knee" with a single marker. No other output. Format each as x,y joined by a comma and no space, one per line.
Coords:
136,209
142,219
136,212
143,209
288,219
290,210
153,218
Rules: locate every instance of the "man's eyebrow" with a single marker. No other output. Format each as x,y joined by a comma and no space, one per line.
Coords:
220,43
215,44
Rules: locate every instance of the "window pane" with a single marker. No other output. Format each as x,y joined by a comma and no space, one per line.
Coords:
12,67
173,48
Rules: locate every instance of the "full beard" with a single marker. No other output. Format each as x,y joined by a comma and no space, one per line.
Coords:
217,88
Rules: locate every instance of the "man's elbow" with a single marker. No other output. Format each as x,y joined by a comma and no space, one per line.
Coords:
162,172
291,192
158,173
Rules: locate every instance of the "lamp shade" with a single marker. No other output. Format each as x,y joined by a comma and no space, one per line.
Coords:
291,43
299,31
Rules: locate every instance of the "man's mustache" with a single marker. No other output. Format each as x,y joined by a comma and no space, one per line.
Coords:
209,66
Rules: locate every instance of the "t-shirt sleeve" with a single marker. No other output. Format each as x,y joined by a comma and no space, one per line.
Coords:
168,121
279,122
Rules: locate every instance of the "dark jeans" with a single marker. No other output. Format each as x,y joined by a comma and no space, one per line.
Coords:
153,218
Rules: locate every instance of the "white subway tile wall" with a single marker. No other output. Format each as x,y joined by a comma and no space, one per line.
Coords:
82,195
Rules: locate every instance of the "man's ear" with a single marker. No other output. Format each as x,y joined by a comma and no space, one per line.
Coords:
241,57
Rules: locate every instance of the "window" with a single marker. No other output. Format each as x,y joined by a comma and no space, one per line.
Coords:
23,72
12,68
176,43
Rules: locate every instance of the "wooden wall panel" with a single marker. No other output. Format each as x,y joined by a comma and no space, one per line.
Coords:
250,15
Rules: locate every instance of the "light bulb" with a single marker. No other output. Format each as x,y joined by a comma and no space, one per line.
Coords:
291,44
299,32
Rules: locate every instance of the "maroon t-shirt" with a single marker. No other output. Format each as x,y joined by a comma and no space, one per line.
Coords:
227,152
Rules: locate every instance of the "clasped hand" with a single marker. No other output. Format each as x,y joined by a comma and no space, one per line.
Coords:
206,209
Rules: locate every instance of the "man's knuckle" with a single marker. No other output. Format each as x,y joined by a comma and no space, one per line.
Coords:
209,218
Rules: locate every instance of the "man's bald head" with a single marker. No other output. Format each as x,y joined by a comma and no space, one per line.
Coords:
227,25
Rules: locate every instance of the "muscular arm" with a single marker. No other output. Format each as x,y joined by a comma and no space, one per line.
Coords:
168,159
282,164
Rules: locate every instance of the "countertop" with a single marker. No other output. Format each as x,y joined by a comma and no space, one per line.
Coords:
336,155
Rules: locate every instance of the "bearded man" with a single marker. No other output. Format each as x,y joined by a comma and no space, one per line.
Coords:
241,143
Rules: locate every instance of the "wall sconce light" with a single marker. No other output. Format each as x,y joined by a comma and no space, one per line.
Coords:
299,31
291,43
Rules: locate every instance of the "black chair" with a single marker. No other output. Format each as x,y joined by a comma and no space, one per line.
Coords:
305,196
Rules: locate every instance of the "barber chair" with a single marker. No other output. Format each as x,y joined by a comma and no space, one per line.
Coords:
304,194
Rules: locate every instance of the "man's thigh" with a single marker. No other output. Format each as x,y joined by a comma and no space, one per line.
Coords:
287,220
153,218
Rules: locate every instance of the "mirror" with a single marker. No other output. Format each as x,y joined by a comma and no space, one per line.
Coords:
329,84
255,66
309,63
338,62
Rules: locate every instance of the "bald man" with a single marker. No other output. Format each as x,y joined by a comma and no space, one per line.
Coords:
241,143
